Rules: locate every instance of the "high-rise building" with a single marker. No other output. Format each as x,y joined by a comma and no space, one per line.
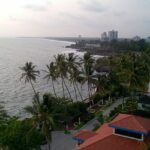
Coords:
112,35
104,36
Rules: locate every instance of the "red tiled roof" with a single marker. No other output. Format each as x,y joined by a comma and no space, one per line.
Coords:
84,134
106,140
113,142
132,122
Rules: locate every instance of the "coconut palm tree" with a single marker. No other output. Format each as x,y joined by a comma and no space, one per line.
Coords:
61,70
134,73
29,73
101,83
73,70
51,74
42,120
74,75
87,70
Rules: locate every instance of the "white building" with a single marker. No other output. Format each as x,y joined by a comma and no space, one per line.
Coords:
112,35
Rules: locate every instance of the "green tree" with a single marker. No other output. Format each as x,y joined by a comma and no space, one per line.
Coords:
87,71
42,119
3,115
61,69
73,70
19,135
51,74
101,83
29,73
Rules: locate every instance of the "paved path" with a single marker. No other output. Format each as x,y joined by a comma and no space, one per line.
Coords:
115,104
61,141
90,125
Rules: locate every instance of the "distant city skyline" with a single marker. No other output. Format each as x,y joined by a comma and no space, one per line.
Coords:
109,36
64,18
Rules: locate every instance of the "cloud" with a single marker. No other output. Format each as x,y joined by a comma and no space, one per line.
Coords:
48,2
92,5
72,16
15,19
35,7
119,13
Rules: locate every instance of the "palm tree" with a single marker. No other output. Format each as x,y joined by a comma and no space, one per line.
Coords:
61,70
101,83
42,120
87,70
29,73
74,75
73,70
51,74
133,74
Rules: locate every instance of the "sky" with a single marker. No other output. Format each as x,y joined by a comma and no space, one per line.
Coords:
74,17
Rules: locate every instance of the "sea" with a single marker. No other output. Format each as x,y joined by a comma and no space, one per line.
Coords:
15,95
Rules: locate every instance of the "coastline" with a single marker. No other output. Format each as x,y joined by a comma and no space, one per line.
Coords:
96,51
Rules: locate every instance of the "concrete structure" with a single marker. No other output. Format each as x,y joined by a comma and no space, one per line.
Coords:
104,36
112,35
125,132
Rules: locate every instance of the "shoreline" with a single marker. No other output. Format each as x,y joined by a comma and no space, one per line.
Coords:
96,51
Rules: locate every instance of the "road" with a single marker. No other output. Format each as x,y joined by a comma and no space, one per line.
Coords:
107,111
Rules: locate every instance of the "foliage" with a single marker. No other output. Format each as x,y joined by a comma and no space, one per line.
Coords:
67,132
3,116
129,107
62,109
42,119
96,126
78,126
30,74
19,135
100,117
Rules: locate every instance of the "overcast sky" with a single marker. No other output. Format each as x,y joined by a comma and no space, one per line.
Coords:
74,17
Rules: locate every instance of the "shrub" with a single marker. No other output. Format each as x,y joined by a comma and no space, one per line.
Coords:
96,126
100,117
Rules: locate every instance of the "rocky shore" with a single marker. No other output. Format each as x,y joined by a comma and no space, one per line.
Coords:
97,51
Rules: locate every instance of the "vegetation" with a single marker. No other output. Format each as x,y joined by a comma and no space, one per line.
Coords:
126,76
19,135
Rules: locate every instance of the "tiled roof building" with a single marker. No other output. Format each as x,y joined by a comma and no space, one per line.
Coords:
125,132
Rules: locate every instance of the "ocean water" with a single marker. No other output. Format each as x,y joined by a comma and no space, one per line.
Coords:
14,52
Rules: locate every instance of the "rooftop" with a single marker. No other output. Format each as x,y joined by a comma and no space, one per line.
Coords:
131,122
105,139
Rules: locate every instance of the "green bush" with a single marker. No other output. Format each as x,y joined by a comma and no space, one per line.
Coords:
67,132
96,126
78,126
63,110
100,117
20,135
